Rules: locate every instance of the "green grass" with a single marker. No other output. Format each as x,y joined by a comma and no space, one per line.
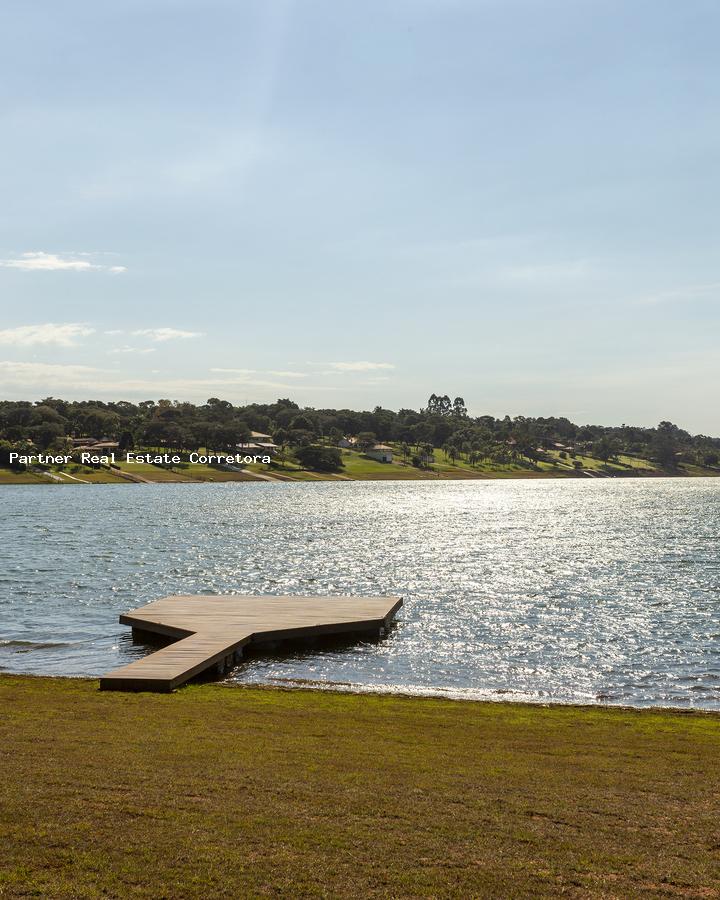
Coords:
700,471
360,467
622,466
86,473
357,465
153,473
634,462
202,472
10,476
491,469
223,791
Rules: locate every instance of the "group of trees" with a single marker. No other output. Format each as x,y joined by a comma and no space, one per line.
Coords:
218,425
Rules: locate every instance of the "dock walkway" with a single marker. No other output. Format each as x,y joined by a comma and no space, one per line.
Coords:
212,630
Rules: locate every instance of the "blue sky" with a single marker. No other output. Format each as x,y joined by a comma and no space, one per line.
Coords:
355,204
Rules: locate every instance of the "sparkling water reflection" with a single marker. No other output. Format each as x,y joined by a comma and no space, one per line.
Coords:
584,591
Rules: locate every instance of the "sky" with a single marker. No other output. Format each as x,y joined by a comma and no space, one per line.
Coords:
360,204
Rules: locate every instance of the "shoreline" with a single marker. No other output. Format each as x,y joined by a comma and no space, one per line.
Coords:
359,691
305,477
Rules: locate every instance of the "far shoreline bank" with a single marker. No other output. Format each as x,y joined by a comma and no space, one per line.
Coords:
170,476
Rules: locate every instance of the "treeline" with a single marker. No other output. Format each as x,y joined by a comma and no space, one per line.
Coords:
49,424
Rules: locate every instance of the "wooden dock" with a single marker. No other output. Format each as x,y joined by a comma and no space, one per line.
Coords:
212,631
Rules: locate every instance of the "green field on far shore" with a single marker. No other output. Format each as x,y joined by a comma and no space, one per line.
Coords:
358,466
221,791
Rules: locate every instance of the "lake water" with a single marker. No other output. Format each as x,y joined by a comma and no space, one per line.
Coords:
603,591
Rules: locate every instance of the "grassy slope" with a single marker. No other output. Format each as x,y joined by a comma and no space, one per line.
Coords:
219,791
359,467
8,476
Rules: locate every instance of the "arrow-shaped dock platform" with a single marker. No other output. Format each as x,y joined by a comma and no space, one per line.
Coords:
212,630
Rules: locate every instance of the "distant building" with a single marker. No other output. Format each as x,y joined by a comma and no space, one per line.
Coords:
380,452
102,448
347,443
257,447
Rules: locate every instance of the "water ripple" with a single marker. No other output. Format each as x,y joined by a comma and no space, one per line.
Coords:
585,591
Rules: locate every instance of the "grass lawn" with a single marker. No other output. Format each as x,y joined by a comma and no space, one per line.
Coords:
153,473
357,466
623,466
202,472
289,472
10,476
701,471
634,462
361,467
489,469
222,791
86,473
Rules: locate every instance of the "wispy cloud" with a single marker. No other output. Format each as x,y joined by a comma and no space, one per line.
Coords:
708,291
128,349
550,272
65,335
39,261
276,372
31,374
24,377
360,366
160,335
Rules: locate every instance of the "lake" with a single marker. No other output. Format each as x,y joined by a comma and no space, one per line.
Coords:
587,591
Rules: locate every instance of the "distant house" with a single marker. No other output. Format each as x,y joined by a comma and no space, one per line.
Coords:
347,443
380,452
258,447
260,444
97,448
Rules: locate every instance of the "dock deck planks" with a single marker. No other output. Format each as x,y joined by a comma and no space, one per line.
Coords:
209,630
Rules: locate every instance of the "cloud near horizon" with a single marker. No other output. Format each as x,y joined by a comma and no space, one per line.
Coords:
360,366
279,373
46,377
63,335
40,261
128,349
160,335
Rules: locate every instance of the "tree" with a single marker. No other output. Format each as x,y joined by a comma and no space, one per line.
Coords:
126,441
46,434
439,406
459,410
428,453
665,445
366,440
605,448
321,459
303,423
